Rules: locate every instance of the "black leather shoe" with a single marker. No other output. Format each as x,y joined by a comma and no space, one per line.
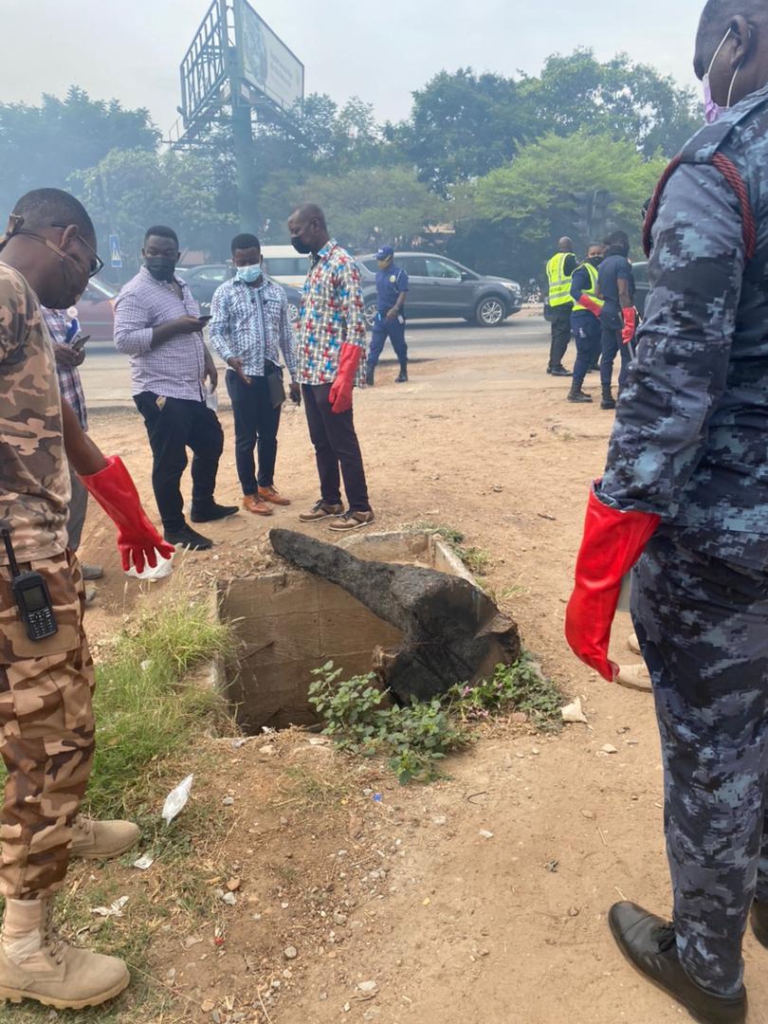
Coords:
190,539
759,918
212,513
648,942
560,371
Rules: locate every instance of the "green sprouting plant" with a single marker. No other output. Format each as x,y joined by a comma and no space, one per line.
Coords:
518,687
352,708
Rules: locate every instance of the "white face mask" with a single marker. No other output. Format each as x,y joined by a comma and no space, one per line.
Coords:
713,111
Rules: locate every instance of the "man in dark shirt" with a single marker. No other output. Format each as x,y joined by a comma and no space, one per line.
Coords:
616,286
392,286
585,320
559,273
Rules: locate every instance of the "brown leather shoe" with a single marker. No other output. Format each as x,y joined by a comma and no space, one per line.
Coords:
273,496
252,503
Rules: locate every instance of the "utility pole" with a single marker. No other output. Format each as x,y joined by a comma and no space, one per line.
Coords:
243,142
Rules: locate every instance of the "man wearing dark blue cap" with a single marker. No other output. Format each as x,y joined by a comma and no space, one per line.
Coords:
392,286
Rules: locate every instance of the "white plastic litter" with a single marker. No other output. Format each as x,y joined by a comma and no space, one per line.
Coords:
113,910
163,568
176,800
144,863
574,712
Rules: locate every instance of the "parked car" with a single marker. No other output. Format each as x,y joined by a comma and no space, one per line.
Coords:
203,282
285,265
642,286
441,289
95,311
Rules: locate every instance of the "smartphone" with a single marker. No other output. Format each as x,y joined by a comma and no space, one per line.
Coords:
80,343
205,319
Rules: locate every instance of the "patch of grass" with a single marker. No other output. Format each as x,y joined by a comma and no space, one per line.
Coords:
476,559
519,687
447,533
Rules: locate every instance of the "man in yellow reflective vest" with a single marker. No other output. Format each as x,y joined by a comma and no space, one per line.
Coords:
585,320
559,273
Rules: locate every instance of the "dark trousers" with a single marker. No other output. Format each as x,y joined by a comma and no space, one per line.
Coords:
587,332
78,507
336,445
612,345
395,331
561,334
257,422
173,425
703,629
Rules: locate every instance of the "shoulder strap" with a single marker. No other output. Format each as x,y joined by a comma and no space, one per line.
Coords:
704,148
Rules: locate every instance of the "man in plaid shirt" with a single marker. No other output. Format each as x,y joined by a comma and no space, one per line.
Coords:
331,345
64,329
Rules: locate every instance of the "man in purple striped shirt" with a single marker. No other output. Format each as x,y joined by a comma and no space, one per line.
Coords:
158,324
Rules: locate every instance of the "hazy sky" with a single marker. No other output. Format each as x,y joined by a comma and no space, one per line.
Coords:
131,49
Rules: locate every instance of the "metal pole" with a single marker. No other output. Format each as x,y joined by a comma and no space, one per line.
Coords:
242,134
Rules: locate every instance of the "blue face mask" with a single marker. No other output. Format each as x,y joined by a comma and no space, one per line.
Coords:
249,275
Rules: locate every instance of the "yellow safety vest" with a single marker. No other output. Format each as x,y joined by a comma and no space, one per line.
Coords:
591,291
559,283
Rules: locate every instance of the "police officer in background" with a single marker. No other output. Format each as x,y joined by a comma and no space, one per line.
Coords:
616,286
585,320
686,487
559,273
392,287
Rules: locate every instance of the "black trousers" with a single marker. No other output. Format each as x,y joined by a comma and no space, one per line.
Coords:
561,334
173,425
257,422
336,447
612,345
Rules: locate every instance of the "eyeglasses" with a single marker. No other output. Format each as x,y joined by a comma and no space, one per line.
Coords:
96,263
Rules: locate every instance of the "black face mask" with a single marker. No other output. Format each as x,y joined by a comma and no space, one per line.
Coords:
301,247
161,267
595,260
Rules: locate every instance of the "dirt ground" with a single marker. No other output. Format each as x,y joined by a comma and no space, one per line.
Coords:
404,891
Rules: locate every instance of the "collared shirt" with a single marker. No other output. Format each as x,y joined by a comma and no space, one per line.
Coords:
250,322
34,483
70,385
390,284
332,315
175,369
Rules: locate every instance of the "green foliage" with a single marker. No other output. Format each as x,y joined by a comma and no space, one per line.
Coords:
518,687
146,710
414,738
417,737
129,190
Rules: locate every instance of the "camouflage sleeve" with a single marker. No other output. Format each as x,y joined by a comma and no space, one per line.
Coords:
14,314
684,344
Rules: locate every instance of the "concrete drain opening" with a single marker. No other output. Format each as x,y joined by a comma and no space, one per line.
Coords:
291,622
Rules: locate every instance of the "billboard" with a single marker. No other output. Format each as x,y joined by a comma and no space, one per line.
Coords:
265,62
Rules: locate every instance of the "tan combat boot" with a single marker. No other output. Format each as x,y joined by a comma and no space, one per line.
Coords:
36,963
102,840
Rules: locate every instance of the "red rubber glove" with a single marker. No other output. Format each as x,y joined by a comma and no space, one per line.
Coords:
137,539
590,303
613,541
630,324
341,389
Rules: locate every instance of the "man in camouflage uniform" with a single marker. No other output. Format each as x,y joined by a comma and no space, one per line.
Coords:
46,686
686,483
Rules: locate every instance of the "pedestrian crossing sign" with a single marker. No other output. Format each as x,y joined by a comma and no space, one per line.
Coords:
116,259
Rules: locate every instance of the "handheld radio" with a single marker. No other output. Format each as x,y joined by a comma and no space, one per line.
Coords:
33,598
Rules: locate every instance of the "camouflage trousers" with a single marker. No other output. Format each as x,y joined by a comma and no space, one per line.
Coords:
703,629
46,733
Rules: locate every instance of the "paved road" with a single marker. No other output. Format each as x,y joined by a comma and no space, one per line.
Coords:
106,374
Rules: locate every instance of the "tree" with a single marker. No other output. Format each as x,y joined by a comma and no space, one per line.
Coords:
42,146
128,191
365,208
622,99
535,199
461,127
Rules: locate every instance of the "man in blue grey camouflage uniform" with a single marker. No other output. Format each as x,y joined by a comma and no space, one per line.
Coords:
686,486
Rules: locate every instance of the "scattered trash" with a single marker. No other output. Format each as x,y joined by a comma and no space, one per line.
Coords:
486,834
163,568
228,801
146,665
237,744
176,800
535,751
552,866
609,749
441,820
377,798
589,815
368,987
114,910
574,713
144,863
229,898
290,953
319,741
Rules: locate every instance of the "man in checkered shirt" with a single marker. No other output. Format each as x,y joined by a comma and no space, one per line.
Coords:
331,346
